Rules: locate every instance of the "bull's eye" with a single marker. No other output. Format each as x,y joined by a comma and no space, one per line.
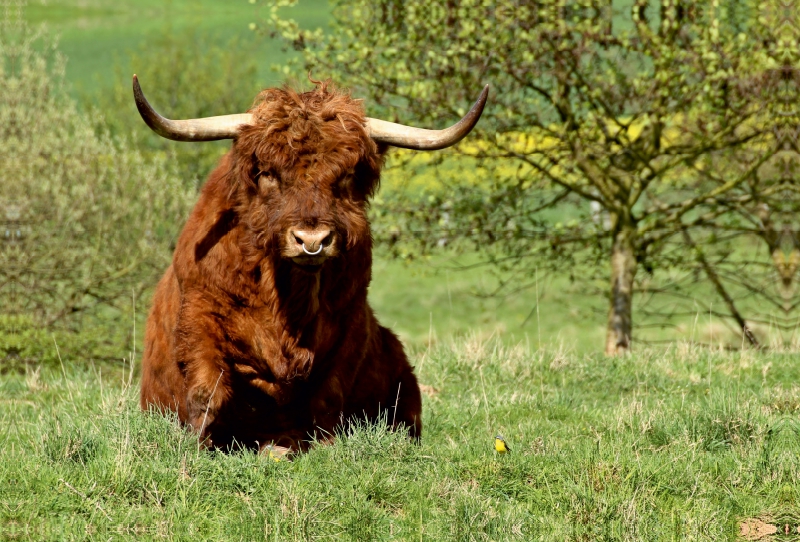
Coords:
266,183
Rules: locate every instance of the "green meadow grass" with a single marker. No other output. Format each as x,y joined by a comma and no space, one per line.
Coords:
98,35
429,301
681,444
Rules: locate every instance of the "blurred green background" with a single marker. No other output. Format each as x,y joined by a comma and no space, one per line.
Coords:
99,35
425,300
202,57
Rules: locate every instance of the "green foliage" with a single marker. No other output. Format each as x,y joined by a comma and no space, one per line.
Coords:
683,444
87,221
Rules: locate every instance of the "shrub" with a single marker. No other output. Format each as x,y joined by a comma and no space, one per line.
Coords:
87,220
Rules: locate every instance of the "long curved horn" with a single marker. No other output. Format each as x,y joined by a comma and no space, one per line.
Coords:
204,129
398,135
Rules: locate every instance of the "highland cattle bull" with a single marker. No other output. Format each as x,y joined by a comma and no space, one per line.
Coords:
260,332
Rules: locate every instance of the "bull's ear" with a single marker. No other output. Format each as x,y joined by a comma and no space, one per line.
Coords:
364,181
382,148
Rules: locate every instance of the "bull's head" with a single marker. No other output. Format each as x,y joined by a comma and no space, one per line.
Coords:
305,165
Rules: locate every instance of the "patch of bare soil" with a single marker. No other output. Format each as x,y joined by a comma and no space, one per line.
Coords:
430,391
757,529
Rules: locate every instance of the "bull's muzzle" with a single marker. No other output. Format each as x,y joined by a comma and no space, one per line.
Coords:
310,247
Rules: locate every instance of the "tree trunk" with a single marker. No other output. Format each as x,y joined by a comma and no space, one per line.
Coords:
623,270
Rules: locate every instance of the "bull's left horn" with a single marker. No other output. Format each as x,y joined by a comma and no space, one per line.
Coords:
399,135
205,129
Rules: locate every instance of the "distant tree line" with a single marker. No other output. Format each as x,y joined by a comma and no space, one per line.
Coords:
655,144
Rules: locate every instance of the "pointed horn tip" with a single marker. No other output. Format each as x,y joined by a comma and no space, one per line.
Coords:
475,112
484,95
200,129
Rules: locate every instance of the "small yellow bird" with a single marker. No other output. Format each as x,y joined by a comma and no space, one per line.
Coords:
500,445
277,453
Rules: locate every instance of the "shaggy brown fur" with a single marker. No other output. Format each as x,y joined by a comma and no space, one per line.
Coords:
250,340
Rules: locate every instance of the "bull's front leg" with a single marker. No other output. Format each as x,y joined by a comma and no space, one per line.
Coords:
328,406
205,396
207,378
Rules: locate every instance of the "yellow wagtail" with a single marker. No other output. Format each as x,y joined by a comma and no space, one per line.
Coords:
500,445
277,453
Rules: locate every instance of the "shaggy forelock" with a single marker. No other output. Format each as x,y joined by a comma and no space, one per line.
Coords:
321,130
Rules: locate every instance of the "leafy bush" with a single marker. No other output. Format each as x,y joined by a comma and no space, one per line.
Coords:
87,220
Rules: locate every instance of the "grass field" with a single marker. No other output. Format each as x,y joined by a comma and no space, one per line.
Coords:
431,301
680,444
97,35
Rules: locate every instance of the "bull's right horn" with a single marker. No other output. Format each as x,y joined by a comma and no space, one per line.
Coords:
204,129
